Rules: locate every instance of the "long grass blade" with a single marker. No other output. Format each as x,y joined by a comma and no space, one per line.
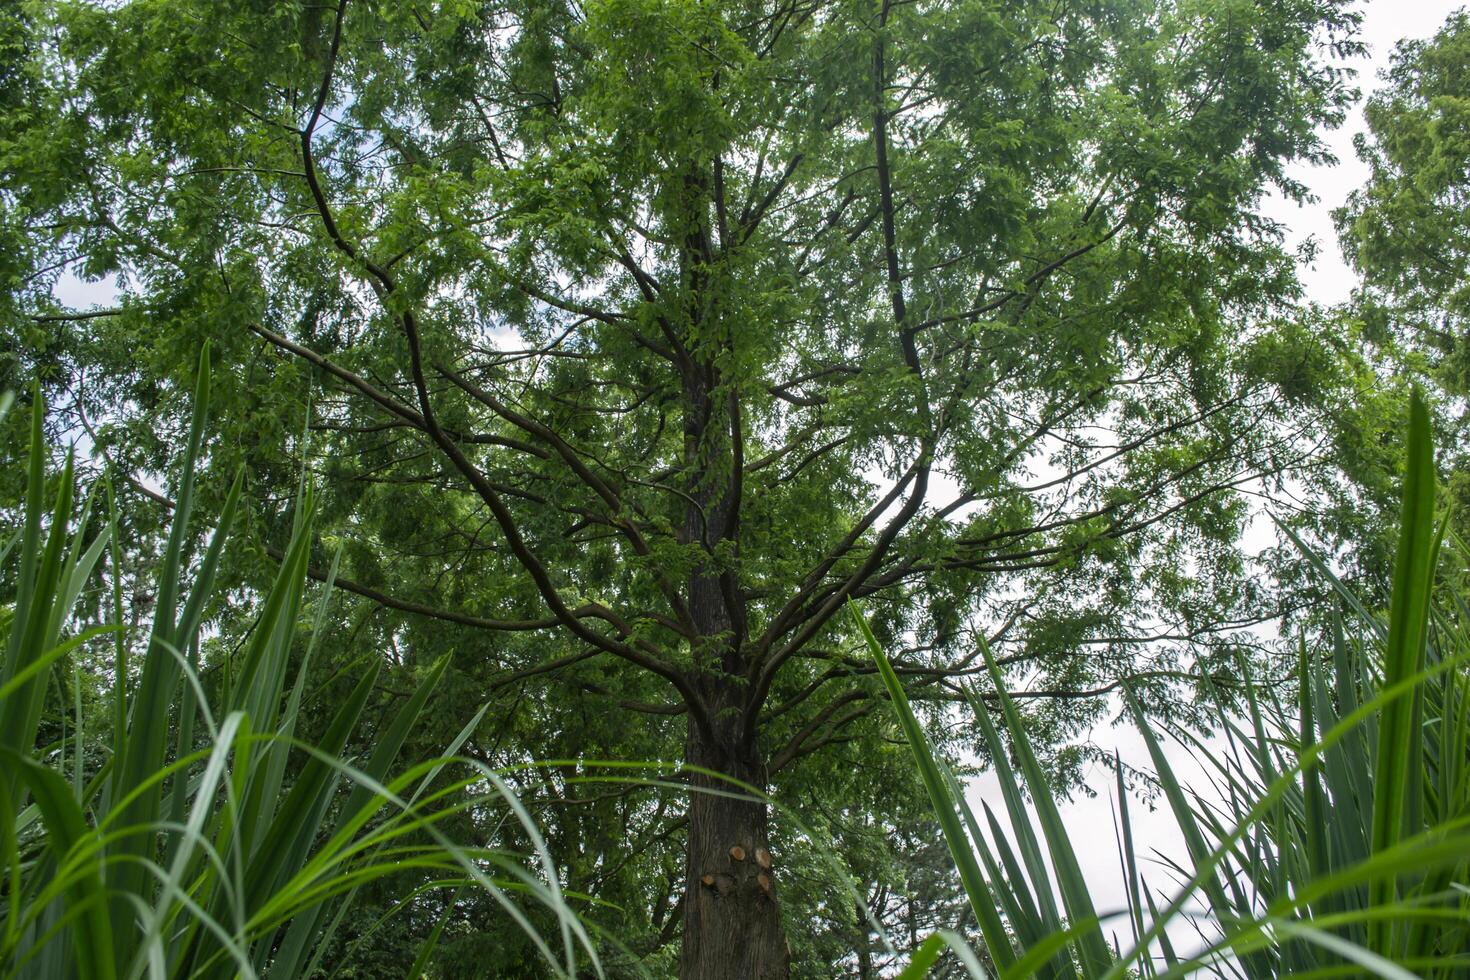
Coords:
973,879
1092,948
1400,741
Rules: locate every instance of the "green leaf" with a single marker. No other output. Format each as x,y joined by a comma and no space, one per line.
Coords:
1076,897
981,901
1400,740
76,850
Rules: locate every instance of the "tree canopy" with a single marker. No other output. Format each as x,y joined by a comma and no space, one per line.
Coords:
641,336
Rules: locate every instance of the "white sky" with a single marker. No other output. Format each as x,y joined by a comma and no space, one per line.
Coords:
1328,281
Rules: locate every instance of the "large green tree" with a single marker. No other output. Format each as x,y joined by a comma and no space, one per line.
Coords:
648,333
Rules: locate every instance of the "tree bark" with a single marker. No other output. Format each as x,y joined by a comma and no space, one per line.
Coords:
731,919
865,944
732,922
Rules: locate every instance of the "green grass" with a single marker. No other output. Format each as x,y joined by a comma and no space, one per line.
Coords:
1342,847
210,841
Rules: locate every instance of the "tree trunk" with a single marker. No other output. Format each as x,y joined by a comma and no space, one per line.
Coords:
732,923
865,944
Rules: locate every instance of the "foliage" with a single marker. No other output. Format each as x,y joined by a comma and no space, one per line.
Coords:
1406,230
1075,231
1342,841
207,839
630,339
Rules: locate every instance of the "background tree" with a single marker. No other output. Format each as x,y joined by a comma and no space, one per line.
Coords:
1408,231
647,333
1407,234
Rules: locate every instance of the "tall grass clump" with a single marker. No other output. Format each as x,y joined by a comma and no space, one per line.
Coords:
210,841
1341,847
